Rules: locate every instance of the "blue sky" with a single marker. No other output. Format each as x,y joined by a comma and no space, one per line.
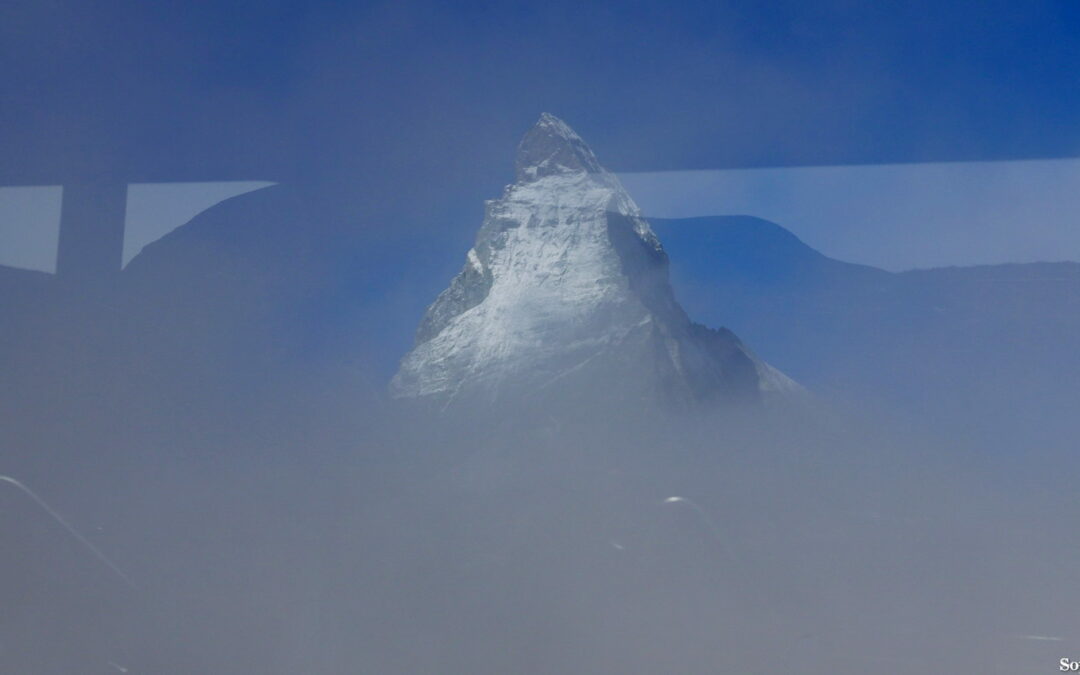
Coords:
409,111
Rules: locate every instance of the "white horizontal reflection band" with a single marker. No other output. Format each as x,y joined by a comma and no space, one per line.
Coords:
894,216
30,217
30,227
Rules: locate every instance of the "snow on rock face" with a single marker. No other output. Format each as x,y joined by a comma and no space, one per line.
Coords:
567,287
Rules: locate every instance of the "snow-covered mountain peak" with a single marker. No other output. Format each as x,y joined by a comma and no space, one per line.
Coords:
552,147
566,291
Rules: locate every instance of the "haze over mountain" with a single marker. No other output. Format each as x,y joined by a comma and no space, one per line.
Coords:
281,281
203,418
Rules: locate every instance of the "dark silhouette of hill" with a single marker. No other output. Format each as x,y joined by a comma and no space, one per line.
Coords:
984,348
279,285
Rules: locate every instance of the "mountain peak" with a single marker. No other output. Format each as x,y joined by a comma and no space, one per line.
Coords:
565,295
552,147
